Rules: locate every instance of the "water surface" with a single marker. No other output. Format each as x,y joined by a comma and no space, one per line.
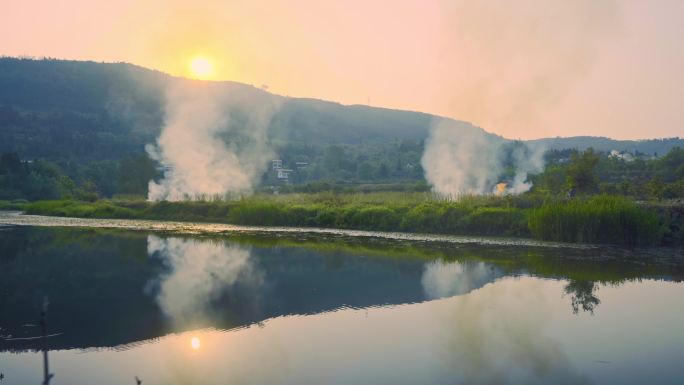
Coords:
247,308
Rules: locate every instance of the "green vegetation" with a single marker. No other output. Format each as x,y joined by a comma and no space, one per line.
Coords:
72,137
562,206
14,205
88,121
640,176
600,219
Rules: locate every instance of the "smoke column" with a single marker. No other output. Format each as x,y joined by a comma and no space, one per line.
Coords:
463,159
515,61
214,141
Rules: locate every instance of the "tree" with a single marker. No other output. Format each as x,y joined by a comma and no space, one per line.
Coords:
672,165
135,174
383,171
333,157
365,171
581,172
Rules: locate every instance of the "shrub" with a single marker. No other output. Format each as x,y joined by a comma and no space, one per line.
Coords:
601,219
496,221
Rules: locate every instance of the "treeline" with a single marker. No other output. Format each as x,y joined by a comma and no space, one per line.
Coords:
43,179
82,137
398,160
394,166
589,172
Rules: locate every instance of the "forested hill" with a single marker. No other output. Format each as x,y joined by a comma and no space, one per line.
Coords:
650,146
58,109
87,111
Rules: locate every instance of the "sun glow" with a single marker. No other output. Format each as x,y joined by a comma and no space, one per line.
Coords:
201,67
195,343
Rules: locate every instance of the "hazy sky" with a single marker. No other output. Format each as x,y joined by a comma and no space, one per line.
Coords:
522,69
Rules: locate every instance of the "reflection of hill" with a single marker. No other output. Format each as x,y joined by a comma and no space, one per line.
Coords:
105,291
109,288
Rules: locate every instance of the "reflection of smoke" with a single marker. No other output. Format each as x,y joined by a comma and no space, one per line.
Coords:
442,279
497,336
462,159
214,141
199,272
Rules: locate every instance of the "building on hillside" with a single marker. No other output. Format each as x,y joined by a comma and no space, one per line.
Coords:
301,165
283,174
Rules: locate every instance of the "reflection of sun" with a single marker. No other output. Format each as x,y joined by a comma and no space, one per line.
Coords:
195,343
201,67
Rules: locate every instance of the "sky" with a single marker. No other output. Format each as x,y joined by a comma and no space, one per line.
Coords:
522,69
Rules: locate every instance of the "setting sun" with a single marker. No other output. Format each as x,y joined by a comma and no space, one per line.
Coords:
195,343
201,68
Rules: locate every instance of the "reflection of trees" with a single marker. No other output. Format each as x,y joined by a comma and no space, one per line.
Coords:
582,295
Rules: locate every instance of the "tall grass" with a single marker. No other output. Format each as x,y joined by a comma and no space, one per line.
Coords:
66,208
600,219
17,204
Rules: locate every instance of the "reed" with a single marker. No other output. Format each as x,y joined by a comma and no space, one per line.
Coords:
600,219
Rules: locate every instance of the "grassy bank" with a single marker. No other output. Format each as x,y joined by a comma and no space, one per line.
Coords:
601,219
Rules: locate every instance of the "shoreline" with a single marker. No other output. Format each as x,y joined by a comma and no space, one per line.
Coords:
19,218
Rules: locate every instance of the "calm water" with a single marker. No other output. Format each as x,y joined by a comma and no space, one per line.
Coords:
331,309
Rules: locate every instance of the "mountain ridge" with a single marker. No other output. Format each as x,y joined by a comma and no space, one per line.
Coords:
90,103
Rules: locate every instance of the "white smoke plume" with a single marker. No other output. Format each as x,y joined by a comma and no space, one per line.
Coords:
527,160
512,62
461,159
198,273
214,141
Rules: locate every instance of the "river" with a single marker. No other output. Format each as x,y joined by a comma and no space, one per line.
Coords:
178,303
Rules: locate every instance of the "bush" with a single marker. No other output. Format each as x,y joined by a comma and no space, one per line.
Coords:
257,214
14,205
423,218
601,219
496,221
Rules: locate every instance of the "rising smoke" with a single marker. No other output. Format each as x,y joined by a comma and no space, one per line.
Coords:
461,159
513,62
214,141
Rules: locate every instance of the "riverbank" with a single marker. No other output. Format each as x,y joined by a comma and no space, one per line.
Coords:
600,219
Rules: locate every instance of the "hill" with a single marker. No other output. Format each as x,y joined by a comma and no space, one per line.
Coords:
599,143
74,106
91,121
